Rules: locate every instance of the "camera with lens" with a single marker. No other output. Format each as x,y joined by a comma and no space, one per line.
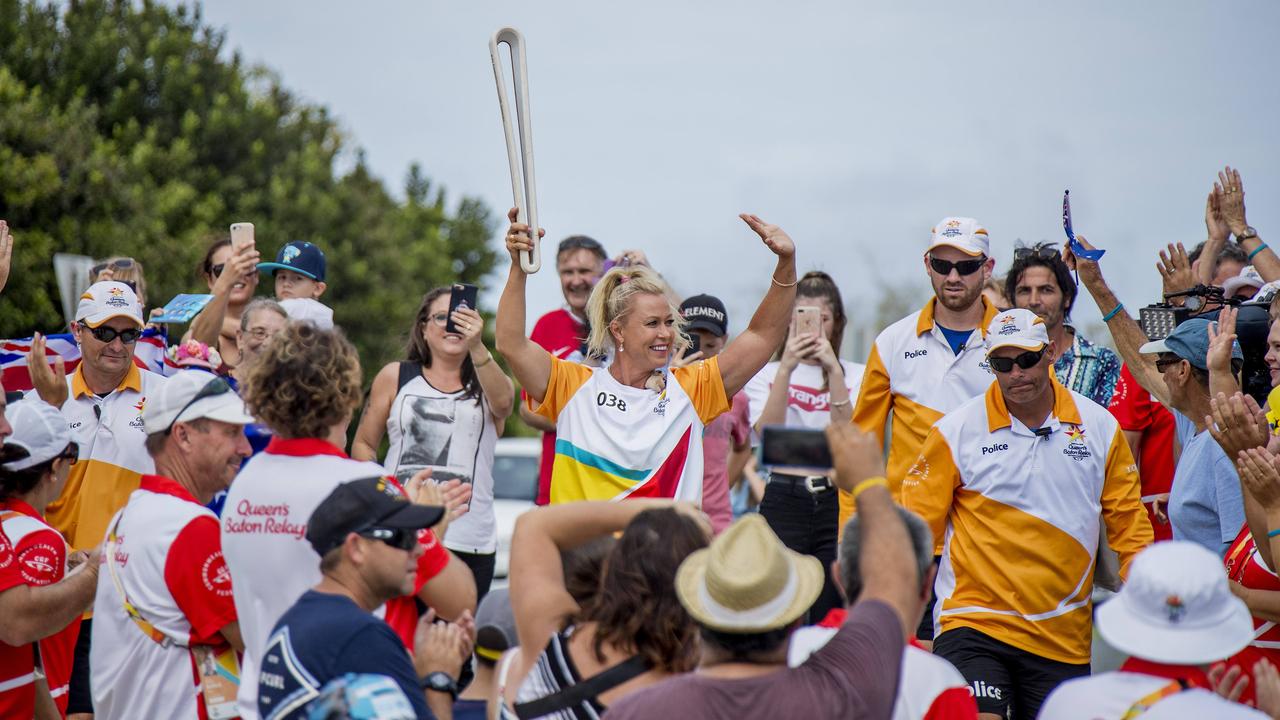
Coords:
1252,325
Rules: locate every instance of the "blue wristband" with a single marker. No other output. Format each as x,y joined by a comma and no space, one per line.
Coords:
1274,533
1113,313
1257,250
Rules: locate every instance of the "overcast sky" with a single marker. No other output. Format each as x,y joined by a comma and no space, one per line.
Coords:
855,126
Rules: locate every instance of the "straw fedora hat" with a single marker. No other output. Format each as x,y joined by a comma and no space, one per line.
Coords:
747,581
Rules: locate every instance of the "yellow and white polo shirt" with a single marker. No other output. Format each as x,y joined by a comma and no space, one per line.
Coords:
1018,516
113,455
913,373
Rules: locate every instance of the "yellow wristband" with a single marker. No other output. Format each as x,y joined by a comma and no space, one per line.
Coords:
869,482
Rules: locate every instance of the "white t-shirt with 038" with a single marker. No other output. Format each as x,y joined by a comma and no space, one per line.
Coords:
808,404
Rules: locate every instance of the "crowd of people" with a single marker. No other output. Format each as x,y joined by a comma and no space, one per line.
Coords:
183,533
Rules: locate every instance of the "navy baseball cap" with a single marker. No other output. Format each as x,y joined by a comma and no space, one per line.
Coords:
1189,341
365,504
706,312
301,257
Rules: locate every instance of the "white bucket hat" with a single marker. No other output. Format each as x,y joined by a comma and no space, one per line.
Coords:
1176,608
747,581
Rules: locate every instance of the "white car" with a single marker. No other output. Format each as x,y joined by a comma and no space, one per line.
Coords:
515,488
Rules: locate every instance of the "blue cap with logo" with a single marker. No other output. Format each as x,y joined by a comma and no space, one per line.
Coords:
1189,341
301,257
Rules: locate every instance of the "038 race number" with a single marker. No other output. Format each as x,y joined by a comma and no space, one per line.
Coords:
610,400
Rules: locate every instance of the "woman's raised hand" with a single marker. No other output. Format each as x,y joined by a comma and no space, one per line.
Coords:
778,241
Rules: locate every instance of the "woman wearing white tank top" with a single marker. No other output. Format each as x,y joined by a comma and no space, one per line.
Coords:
443,408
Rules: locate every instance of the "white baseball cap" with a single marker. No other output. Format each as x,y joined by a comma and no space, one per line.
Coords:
963,234
1016,328
39,429
191,395
1176,608
1248,277
108,299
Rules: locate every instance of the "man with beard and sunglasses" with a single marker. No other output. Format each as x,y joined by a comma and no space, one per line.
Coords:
102,402
931,361
1014,484
1040,281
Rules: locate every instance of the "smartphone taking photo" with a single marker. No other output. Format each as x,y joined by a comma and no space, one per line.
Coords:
241,235
795,451
460,295
808,320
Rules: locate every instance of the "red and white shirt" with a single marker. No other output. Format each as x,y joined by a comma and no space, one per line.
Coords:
1138,411
37,556
930,688
560,333
264,528
168,560
1144,689
1245,566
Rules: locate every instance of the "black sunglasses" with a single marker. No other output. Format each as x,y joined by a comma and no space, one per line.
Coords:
1044,252
216,270
964,267
216,386
397,538
105,334
1026,361
122,264
1165,362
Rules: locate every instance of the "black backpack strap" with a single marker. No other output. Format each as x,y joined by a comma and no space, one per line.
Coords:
408,371
584,691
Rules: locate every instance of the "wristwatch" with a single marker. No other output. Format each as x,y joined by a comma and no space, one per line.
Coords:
441,682
1248,234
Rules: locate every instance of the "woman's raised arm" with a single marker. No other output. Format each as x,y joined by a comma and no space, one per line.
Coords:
746,354
529,362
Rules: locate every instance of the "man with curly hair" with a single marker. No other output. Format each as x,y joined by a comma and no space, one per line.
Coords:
304,386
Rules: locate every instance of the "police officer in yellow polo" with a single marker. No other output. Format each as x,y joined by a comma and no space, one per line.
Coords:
1014,484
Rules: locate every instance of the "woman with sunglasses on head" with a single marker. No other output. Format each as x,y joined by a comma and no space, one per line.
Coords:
232,276
34,465
809,386
634,429
443,408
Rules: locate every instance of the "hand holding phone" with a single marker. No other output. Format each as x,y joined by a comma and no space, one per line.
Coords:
461,295
797,451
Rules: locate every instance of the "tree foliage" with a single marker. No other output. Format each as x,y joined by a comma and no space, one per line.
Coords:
126,129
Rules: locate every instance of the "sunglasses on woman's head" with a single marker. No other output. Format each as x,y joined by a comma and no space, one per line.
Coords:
964,267
1026,361
121,264
400,538
105,334
1045,252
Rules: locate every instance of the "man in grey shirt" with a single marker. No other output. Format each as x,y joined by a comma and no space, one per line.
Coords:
749,593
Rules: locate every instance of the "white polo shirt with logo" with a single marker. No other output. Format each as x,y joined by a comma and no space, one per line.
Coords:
113,454
169,563
1018,512
913,374
264,526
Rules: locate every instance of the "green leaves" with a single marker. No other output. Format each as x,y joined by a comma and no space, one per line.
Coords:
126,131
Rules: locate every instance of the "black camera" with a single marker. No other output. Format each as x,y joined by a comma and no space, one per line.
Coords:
1253,322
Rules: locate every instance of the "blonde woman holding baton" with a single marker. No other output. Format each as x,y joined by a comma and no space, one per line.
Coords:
634,428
